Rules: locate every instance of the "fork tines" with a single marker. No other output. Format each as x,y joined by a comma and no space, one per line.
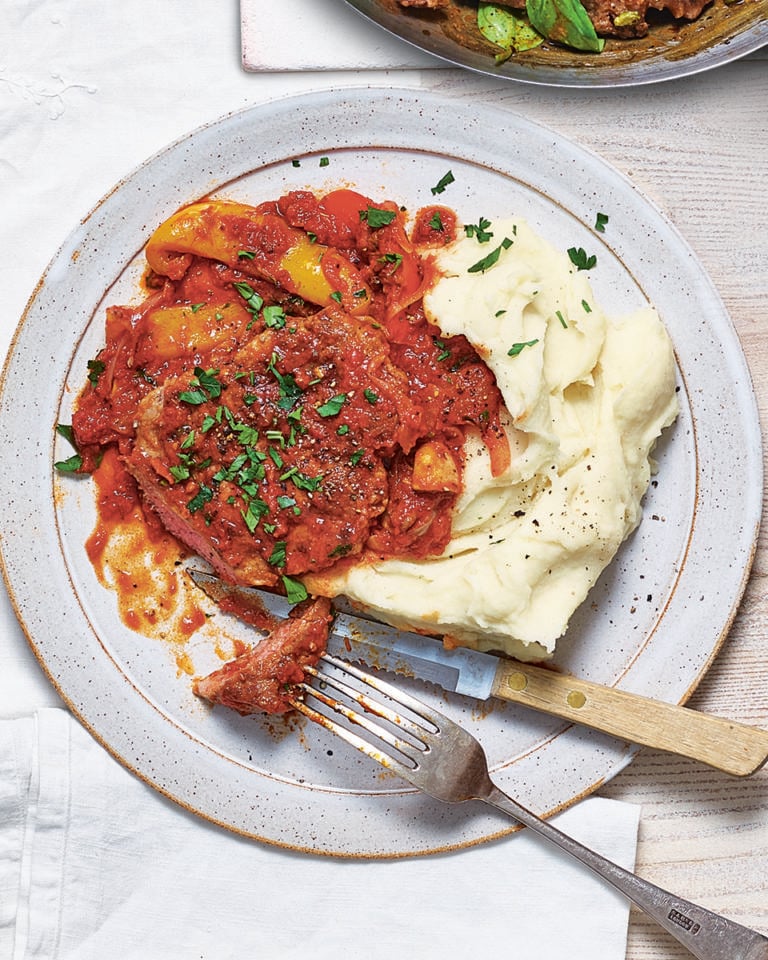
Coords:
343,709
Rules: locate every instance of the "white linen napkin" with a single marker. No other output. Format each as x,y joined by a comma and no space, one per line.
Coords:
94,864
320,35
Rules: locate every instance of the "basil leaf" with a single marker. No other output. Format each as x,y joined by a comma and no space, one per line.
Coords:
506,30
566,22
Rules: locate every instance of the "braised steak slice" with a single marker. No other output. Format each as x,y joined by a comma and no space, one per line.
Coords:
275,463
257,681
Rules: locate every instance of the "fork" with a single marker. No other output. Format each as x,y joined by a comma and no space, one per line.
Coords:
433,753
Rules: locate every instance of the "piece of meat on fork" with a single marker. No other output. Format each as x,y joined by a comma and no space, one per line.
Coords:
257,681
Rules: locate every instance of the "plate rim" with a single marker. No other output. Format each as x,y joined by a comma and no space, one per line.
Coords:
329,97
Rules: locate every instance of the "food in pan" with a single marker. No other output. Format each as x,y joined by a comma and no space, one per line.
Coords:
327,395
510,27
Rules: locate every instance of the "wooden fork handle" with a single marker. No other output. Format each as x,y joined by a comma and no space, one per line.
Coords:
731,747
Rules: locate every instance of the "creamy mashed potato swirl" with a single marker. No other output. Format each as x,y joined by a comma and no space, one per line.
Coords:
587,397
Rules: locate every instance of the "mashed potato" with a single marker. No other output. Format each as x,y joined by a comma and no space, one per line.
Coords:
587,398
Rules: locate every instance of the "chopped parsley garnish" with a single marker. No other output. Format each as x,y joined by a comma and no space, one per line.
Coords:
253,301
290,392
203,387
196,306
517,348
204,495
487,262
341,550
210,422
444,351
336,295
394,258
301,480
375,217
371,396
95,370
70,465
195,397
442,183
356,457
246,255
600,222
331,407
579,258
295,590
479,230
277,557
65,430
436,222
253,513
343,430
274,317
246,434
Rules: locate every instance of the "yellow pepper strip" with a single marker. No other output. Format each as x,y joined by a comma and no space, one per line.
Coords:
258,244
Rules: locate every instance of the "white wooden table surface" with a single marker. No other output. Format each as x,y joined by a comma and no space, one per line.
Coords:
699,149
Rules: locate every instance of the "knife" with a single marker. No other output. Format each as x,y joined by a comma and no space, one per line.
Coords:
731,747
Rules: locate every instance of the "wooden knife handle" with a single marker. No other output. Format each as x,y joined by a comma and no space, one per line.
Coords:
731,747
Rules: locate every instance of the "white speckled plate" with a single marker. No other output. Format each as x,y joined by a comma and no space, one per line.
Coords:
653,622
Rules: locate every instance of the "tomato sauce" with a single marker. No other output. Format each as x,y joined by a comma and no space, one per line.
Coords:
278,402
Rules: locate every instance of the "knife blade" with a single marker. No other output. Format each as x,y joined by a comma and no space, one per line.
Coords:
720,743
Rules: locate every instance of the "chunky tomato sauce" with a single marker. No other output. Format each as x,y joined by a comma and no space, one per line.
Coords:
278,401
